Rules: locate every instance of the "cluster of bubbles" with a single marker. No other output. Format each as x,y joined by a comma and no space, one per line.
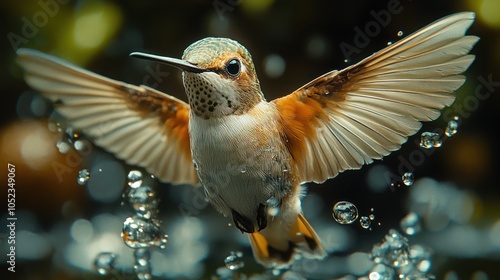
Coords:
429,140
105,262
69,137
345,212
395,258
233,263
141,231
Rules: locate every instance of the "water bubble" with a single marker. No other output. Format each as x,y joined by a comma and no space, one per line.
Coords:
142,266
407,179
346,60
234,261
430,140
344,212
83,176
400,33
138,232
104,262
392,251
389,43
420,256
365,222
410,224
62,146
134,178
371,217
273,207
451,128
381,272
82,145
195,164
143,200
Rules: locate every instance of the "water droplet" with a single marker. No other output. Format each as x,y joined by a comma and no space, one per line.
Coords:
143,200
344,212
142,266
234,261
407,179
104,262
374,276
381,272
371,217
389,43
82,145
420,256
195,164
134,178
430,140
276,272
138,232
273,207
451,128
410,224
400,33
392,251
83,176
365,222
63,146
346,60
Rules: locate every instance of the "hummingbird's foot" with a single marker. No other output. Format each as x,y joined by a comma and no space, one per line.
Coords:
242,223
262,217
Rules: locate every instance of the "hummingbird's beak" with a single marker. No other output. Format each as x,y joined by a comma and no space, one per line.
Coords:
178,63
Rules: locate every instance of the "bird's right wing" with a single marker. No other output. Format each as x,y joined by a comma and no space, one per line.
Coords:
138,124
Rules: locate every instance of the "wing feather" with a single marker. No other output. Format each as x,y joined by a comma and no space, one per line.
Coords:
344,119
138,124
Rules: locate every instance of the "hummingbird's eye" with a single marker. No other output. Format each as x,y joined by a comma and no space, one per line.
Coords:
233,67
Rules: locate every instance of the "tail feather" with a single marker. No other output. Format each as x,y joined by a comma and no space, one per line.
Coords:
275,248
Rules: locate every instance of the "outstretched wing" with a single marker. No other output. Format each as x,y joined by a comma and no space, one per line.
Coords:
138,124
347,118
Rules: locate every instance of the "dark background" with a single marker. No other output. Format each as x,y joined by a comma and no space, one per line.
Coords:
307,35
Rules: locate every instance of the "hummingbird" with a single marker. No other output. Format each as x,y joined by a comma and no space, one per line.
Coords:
251,155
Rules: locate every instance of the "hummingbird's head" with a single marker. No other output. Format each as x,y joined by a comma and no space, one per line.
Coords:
219,77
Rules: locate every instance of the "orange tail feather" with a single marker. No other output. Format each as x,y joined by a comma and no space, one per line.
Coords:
273,247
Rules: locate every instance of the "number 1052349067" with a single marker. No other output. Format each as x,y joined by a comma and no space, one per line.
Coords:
11,190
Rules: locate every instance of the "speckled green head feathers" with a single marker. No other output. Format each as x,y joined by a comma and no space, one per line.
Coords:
204,52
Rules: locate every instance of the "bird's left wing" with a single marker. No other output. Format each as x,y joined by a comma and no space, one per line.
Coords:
138,124
347,118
